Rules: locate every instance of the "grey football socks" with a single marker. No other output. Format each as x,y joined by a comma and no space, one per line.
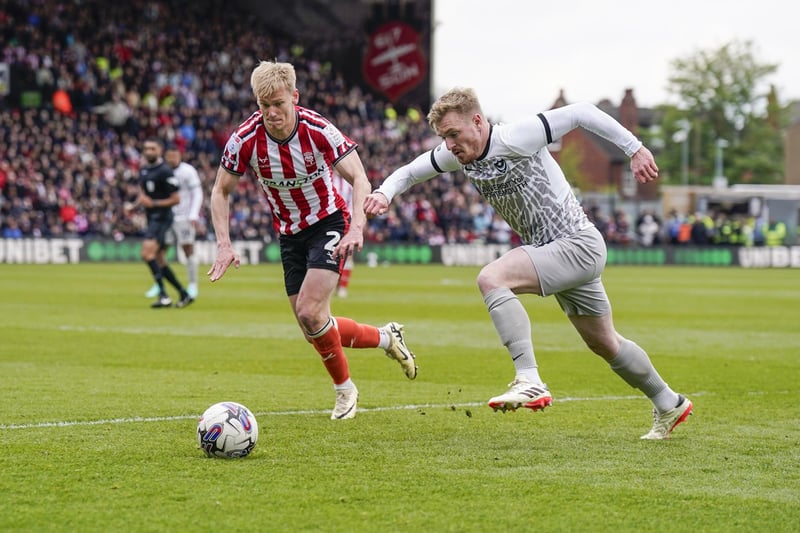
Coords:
514,329
633,365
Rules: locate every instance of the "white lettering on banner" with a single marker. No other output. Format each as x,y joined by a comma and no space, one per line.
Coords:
472,254
248,251
206,252
397,75
770,257
40,251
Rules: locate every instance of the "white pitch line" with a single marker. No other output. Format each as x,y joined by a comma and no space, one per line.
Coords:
138,419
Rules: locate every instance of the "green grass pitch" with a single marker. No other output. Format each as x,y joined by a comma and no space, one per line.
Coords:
100,394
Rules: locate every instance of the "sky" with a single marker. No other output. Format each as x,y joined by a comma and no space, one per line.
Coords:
518,55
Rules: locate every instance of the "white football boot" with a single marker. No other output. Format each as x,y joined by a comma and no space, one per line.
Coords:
664,423
399,351
522,393
346,400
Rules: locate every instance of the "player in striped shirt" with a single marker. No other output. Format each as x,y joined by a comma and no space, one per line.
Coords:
562,253
292,152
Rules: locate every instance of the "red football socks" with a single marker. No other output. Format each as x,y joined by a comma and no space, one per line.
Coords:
355,335
329,345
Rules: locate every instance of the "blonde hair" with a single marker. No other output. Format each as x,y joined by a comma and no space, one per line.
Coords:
461,100
271,76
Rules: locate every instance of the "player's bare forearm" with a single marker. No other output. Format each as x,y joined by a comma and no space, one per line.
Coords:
352,170
220,219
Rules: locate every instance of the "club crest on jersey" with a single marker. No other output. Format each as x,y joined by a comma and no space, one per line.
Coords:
308,157
501,166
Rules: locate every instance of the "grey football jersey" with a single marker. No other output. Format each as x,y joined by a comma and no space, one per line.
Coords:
527,189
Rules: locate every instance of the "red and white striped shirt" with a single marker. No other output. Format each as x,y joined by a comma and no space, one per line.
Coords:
296,174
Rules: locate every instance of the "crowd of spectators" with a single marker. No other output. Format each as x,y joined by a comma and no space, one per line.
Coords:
714,228
97,78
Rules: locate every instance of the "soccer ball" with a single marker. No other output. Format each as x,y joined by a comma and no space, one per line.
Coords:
227,429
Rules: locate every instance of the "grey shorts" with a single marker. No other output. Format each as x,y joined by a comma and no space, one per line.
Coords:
570,269
182,232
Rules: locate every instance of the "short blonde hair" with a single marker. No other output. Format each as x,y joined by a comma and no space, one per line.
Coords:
271,76
462,100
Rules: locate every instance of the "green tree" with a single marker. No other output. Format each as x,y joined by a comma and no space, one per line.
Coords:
723,94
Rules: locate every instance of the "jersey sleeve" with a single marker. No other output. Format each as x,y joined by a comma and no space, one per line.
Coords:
531,134
236,155
173,185
424,167
340,143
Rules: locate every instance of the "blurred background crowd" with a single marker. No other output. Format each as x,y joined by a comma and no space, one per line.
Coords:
124,71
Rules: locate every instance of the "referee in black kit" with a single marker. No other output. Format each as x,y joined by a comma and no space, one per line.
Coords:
158,193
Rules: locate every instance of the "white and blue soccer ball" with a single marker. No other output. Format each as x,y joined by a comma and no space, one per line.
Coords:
228,430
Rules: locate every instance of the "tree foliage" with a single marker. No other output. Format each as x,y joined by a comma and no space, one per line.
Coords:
723,94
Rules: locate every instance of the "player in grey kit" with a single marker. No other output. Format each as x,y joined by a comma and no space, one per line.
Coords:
563,254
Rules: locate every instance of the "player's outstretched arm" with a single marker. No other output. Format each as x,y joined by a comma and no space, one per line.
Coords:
420,169
220,218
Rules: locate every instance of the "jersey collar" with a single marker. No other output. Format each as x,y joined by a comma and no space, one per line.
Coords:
488,144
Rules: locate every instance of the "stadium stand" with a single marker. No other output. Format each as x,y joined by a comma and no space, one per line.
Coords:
87,92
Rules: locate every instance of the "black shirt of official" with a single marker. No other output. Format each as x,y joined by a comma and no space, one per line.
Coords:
159,183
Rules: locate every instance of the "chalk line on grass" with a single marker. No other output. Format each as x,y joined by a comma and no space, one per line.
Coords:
299,412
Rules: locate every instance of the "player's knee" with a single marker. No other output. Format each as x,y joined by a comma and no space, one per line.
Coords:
306,320
310,319
488,279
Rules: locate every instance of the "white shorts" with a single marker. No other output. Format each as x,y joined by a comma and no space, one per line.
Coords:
182,232
570,269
